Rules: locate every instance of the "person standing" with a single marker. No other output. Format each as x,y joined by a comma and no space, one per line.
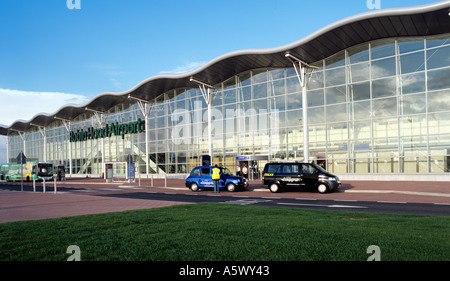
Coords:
216,178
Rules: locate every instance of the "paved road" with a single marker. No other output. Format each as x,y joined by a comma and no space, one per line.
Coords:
244,198
347,205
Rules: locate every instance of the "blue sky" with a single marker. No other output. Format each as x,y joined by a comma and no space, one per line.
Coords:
51,55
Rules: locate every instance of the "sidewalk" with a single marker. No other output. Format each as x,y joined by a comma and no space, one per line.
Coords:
17,205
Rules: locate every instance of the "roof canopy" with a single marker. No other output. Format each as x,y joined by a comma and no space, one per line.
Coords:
423,20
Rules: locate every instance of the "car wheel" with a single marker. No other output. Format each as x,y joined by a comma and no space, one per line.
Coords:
231,187
322,188
274,187
194,187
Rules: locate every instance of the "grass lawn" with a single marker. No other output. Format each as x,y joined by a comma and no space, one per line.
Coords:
223,232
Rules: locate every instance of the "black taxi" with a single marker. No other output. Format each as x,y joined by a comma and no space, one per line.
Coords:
309,175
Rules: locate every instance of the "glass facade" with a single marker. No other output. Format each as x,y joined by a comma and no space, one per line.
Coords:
379,107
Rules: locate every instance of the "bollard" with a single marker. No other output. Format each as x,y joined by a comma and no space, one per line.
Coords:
43,185
54,187
34,185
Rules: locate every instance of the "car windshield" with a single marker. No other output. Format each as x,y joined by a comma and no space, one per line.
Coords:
226,172
319,168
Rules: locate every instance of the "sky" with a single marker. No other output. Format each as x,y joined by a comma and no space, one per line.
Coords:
53,54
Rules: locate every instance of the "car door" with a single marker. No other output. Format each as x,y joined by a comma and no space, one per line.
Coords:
310,175
205,178
290,175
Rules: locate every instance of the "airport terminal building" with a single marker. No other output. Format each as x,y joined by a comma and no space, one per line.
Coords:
368,95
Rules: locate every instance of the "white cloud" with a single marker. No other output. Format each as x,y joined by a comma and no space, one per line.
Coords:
25,105
184,68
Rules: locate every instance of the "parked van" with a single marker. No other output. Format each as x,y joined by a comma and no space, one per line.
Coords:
299,175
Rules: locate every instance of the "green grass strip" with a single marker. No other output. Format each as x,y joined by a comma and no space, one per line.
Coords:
224,232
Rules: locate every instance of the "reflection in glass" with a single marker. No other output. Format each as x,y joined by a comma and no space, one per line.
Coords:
384,107
382,48
412,63
383,68
412,83
438,79
438,57
384,87
359,91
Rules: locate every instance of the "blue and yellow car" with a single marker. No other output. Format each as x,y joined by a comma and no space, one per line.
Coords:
200,178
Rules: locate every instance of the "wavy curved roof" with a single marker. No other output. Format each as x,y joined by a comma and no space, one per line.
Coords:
423,20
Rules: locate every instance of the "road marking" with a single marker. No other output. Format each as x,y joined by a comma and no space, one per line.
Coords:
246,201
391,202
320,205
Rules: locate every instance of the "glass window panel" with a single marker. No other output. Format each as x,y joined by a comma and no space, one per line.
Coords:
412,83
229,96
439,164
316,80
384,128
259,91
276,87
412,63
360,129
413,125
294,101
359,91
410,46
259,76
276,74
384,87
294,118
278,103
439,144
438,79
382,49
360,110
244,94
358,72
414,104
359,53
315,98
337,131
335,77
336,113
316,115
439,57
384,107
439,123
336,94
439,101
259,104
383,68
292,85
244,79
336,60
437,41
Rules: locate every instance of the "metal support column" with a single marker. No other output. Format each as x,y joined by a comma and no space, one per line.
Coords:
208,95
304,72
145,110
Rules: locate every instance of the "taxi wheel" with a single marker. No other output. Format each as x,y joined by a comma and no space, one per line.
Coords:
194,187
231,187
322,188
274,187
